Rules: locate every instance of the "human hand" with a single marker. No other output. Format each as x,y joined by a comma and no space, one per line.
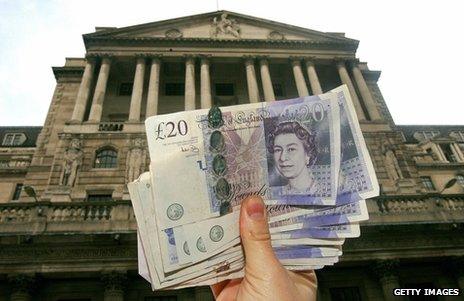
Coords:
265,277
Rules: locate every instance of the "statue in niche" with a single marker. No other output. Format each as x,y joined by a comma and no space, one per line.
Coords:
391,163
72,162
225,26
135,161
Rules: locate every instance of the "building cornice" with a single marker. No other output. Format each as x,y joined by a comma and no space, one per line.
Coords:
216,43
67,72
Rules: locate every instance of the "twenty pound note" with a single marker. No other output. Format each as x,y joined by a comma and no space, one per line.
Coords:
204,162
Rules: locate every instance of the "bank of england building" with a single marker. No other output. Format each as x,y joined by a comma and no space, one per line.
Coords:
67,229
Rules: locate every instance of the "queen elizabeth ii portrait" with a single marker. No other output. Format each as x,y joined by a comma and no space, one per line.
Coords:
292,151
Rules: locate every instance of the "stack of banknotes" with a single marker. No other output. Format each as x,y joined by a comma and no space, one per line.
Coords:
306,157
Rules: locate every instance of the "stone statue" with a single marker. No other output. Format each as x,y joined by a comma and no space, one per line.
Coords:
72,162
391,163
225,26
135,162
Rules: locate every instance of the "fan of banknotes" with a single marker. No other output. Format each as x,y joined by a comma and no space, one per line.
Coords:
306,157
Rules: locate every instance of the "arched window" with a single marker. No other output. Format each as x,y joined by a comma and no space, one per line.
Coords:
106,158
460,179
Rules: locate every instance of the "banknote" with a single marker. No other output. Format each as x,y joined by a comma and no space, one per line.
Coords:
334,231
306,157
287,151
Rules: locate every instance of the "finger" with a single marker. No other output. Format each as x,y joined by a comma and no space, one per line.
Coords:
256,239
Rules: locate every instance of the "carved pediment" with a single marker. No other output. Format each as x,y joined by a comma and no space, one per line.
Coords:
222,25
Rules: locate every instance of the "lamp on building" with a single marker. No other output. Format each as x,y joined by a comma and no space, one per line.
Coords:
30,191
449,184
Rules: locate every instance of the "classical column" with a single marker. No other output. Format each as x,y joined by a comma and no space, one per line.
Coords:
153,87
266,80
439,152
100,90
457,152
253,91
84,91
345,78
386,271
299,77
114,286
137,91
205,82
21,286
313,79
365,93
190,83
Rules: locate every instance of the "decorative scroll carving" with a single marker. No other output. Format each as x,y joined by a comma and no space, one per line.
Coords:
275,35
72,162
135,162
173,33
225,26
391,163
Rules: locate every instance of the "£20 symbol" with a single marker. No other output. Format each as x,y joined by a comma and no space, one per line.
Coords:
170,129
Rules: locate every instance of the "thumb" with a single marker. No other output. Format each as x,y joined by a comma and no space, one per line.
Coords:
256,239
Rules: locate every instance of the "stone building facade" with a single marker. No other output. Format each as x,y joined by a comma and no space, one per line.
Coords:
67,230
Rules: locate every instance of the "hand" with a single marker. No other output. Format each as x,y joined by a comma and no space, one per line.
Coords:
265,277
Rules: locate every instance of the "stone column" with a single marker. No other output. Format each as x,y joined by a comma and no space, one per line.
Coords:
386,271
439,152
313,79
365,94
100,90
253,91
457,152
205,82
190,83
153,87
137,91
114,286
84,91
345,78
299,77
22,287
266,79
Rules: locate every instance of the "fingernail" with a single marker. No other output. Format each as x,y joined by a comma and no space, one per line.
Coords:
255,208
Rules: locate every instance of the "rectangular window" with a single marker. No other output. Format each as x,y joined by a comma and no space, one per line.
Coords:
17,192
449,154
224,89
427,183
345,294
99,197
125,89
278,90
13,139
174,89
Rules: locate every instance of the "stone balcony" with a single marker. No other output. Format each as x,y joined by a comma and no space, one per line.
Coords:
76,217
33,218
426,208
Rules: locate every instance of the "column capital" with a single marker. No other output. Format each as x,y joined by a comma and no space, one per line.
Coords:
103,54
189,56
114,281
249,59
22,283
385,269
205,58
353,62
91,57
263,59
340,61
296,58
309,60
141,55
